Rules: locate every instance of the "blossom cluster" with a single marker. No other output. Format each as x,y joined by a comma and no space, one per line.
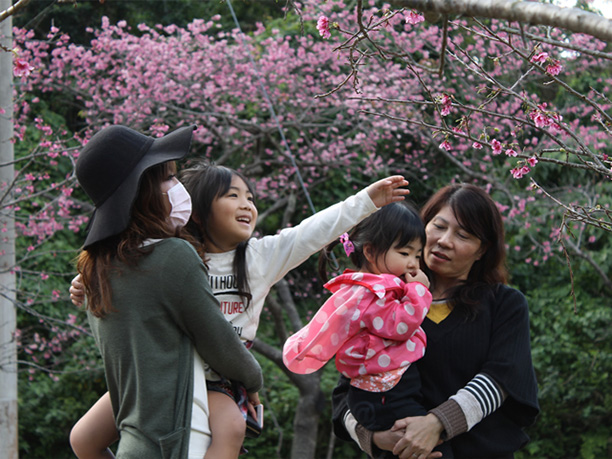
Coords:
385,119
553,66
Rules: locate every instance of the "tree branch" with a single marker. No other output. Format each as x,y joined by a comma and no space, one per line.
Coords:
572,19
10,11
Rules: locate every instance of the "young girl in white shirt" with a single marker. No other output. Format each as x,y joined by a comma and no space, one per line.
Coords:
242,270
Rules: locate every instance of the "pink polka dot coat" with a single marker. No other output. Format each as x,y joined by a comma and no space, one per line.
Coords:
372,323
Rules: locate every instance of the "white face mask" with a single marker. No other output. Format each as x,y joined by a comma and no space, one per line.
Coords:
181,205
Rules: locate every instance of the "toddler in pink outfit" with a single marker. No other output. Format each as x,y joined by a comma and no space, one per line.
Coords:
372,321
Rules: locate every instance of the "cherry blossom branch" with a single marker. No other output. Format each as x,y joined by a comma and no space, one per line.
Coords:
572,19
580,213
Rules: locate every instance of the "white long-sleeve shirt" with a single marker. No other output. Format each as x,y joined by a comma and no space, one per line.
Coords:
271,257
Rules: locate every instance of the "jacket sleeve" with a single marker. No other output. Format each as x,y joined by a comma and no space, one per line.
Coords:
315,344
197,312
280,253
507,379
509,361
398,319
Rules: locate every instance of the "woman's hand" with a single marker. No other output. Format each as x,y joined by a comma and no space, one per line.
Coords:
388,190
77,291
386,439
421,436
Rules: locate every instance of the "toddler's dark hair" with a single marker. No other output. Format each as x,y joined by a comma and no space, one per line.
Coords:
396,224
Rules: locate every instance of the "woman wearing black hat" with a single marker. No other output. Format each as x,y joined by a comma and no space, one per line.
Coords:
150,306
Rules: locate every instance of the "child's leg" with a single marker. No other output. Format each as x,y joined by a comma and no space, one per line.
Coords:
227,427
95,431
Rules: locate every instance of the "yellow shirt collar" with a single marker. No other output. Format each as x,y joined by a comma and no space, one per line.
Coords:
439,311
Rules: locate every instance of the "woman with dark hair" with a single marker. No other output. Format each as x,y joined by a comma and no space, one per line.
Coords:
150,306
478,381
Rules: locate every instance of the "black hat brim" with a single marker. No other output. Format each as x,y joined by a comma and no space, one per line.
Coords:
113,216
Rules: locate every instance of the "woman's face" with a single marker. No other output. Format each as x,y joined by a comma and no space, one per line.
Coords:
450,251
232,218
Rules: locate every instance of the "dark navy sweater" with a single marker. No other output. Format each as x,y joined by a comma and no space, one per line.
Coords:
496,342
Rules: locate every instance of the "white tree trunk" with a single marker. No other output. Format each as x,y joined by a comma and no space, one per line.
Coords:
572,19
8,350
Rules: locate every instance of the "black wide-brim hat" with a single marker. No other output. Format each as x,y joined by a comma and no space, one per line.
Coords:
109,169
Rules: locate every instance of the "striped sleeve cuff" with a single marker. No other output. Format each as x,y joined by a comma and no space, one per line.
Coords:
452,418
479,398
361,435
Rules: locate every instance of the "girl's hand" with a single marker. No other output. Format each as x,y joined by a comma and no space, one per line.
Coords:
253,401
77,291
418,276
388,190
421,436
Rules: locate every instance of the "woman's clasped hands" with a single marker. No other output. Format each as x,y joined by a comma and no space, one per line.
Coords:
412,438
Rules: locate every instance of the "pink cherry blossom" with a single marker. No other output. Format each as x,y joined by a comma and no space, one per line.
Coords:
540,58
511,152
539,118
446,145
554,68
520,172
413,18
445,101
22,68
323,27
532,161
497,146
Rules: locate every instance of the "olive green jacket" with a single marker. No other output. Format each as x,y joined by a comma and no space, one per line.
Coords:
163,309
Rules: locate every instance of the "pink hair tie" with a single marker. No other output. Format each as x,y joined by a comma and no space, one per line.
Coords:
348,245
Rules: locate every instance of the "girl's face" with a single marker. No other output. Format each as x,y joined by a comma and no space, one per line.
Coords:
232,218
450,251
398,261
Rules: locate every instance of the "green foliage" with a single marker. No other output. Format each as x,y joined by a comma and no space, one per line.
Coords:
48,409
572,352
73,19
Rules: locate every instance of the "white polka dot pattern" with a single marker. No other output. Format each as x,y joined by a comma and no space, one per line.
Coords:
371,324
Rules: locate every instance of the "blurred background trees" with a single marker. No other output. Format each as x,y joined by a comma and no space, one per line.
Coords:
520,109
